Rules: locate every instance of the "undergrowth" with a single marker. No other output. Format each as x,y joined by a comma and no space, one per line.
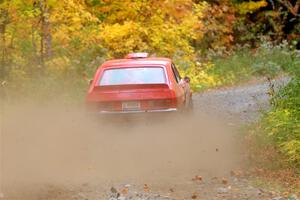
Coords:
243,63
68,79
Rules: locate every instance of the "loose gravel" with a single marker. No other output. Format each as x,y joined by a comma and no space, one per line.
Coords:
236,106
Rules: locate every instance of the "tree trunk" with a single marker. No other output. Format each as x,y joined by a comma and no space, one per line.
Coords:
41,7
46,38
3,24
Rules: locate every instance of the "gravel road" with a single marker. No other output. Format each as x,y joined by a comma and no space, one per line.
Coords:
56,153
243,104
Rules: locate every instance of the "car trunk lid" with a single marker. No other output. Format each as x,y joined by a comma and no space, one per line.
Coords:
133,97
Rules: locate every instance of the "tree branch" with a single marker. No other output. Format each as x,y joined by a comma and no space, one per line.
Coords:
292,9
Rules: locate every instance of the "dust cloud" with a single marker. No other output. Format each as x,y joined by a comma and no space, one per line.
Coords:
53,145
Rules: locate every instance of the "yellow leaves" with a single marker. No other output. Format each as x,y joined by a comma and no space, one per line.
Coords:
69,19
52,3
292,149
72,13
122,38
155,35
200,76
126,10
58,65
251,6
177,9
159,26
167,28
200,8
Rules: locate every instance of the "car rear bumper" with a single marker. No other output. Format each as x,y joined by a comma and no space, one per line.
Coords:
168,110
156,116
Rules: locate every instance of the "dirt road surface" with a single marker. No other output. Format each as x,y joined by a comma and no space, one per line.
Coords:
56,152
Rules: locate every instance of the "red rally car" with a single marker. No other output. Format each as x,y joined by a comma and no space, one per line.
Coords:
138,84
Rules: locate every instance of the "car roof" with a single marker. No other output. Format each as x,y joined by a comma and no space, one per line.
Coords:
136,62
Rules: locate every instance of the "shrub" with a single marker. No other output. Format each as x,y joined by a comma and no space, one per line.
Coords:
282,123
243,63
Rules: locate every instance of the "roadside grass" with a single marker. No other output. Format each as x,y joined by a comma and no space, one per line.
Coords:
243,64
273,142
280,126
285,189
266,165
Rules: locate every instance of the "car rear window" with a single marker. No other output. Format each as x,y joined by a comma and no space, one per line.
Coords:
136,75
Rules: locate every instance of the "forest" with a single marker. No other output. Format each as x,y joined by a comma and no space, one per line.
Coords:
50,49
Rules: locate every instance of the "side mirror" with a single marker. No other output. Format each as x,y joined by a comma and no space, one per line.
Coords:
91,81
187,79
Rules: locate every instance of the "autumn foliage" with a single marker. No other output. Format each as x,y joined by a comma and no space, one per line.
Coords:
51,48
55,37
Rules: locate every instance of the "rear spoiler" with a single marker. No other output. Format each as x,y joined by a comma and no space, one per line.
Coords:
132,86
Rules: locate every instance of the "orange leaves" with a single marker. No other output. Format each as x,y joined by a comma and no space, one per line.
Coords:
146,188
194,195
124,191
236,173
219,22
224,181
197,178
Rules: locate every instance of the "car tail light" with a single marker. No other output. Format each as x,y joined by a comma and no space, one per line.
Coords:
106,106
163,103
100,106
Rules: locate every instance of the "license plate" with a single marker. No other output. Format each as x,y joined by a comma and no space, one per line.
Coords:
131,105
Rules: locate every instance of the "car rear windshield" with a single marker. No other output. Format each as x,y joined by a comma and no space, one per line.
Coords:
136,75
